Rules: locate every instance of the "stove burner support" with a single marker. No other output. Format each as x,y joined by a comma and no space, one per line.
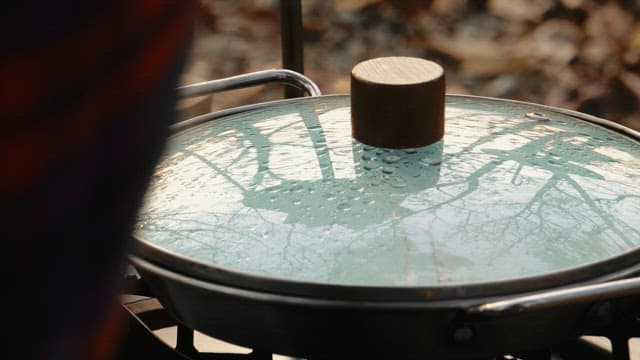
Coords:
148,315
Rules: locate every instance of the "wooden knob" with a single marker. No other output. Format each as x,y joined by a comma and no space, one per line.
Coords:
397,102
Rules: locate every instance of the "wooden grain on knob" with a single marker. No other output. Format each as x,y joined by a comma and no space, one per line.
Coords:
397,102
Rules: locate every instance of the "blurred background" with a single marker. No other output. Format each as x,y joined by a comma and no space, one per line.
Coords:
575,54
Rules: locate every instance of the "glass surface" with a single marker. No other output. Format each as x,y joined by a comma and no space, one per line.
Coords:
287,193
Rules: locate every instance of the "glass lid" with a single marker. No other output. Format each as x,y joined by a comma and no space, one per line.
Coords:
512,191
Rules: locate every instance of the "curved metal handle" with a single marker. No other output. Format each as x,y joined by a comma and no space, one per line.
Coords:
548,299
251,79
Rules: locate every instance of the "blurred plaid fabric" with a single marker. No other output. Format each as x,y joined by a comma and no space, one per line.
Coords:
86,96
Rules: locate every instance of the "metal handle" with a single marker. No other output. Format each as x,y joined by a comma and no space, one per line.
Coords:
241,81
548,299
251,79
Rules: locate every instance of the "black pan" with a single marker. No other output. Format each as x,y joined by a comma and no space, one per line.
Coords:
305,317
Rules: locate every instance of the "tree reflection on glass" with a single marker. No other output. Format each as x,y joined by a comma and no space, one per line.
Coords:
286,192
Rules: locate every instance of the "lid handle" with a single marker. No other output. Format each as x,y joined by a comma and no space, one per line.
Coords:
397,102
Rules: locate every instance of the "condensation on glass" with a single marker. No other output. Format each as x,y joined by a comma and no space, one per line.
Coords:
287,193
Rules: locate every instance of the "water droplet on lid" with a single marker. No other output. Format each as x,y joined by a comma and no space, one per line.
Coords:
297,202
367,157
367,167
398,183
410,151
432,160
344,206
387,170
537,116
391,159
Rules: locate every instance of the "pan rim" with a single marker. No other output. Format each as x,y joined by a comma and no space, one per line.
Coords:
621,265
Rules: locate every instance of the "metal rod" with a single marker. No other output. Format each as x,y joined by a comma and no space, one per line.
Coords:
184,341
200,119
620,348
292,40
251,79
554,298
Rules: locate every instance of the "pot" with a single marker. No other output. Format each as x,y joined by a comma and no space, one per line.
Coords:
269,226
